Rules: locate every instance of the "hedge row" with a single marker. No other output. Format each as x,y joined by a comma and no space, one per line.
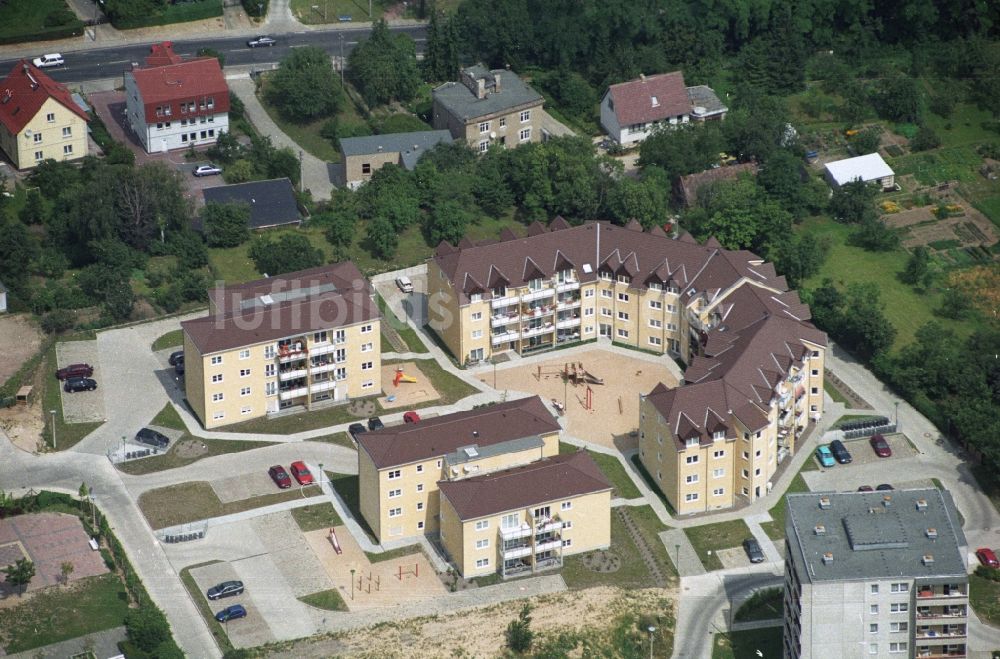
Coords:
24,374
46,34
256,8
179,13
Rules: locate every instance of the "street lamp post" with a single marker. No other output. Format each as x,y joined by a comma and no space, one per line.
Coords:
320,476
54,445
352,584
651,629
342,62
896,421
677,554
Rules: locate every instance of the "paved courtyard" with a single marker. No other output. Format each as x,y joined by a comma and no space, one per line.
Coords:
48,540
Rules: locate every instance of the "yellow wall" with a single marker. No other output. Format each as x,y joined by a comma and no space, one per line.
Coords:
21,149
443,310
369,491
194,373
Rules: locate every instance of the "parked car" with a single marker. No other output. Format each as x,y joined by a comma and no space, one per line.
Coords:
880,446
824,456
356,429
753,550
231,613
262,40
375,423
301,473
840,452
410,417
225,589
884,487
75,371
404,284
207,170
176,357
46,61
280,477
866,488
987,557
73,385
152,438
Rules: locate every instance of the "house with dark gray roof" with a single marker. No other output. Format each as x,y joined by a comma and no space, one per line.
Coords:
487,107
271,203
879,573
363,156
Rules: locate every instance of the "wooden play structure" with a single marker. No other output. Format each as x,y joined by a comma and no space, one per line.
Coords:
402,377
572,372
415,571
367,588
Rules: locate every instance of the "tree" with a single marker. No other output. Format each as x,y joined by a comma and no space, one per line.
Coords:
290,252
305,86
189,249
925,139
142,196
382,238
898,98
863,327
875,235
448,221
340,233
147,627
756,127
918,268
644,200
119,299
853,202
17,249
441,53
519,634
866,141
384,68
226,225
34,211
65,569
799,258
681,151
19,574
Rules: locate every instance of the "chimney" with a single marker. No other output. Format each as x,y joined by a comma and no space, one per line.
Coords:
887,500
828,558
642,77
819,529
932,533
480,88
928,559
922,505
496,82
824,503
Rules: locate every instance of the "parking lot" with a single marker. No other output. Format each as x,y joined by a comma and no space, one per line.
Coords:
243,632
82,406
862,452
901,470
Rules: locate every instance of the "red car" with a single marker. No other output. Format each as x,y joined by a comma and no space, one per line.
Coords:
280,477
410,417
880,446
75,371
987,557
301,473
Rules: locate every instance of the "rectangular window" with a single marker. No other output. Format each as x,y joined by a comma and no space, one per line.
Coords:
899,607
271,389
588,312
269,352
655,341
395,512
670,308
366,366
68,131
340,374
566,505
655,304
245,410
366,329
483,543
746,474
484,127
693,478
719,491
605,312
898,647
623,297
366,347
873,648
899,626
525,134
477,316
622,315
503,122
606,293
525,116
622,333
420,525
482,525
217,398
484,146
691,459
217,377
873,628
395,493
568,542
219,415
588,293
367,384
653,322
899,588
50,117
245,354
477,334
245,372
321,337
568,524
873,589
482,562
420,469
693,496
394,474
718,473
184,137
216,360
420,487
245,391
719,454
39,156
67,149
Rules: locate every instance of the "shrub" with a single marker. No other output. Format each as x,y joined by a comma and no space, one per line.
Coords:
58,320
991,573
925,139
169,298
519,634
256,8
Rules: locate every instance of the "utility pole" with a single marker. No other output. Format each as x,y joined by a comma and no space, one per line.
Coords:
301,182
54,445
342,61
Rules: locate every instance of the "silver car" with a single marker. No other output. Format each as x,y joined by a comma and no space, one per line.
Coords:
45,61
207,170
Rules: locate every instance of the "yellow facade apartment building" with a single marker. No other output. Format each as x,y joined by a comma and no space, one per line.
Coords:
39,119
755,369
297,341
405,470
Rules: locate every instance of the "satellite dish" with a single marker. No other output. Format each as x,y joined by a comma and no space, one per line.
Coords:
28,133
493,135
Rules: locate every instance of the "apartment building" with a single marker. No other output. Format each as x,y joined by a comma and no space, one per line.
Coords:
875,574
489,107
39,120
525,519
173,103
297,341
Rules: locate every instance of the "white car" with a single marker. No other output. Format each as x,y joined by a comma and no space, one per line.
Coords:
207,170
404,284
45,61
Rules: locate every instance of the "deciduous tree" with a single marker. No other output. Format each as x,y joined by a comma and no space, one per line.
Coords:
288,253
226,225
304,86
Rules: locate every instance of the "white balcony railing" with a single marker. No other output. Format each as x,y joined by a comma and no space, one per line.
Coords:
522,531
503,320
568,286
502,301
284,376
323,348
541,526
569,322
567,304
326,385
292,356
292,393
506,336
323,368
535,331
517,552
538,295
546,546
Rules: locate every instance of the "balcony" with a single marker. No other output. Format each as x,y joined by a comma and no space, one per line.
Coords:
291,374
324,348
289,353
326,385
323,368
942,614
503,301
939,594
505,319
538,295
568,286
567,323
503,337
547,524
522,531
517,552
930,654
933,634
571,303
548,545
288,394
536,312
535,331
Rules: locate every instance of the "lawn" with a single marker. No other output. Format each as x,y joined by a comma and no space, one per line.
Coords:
328,600
964,126
339,438
196,500
406,333
905,308
622,485
292,423
958,163
835,394
450,388
59,613
847,418
652,484
172,339
25,21
713,537
990,207
313,518
633,572
766,604
67,434
393,554
776,529
749,644
984,596
215,627
312,12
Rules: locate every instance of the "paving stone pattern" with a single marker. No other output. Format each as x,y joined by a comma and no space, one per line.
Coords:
82,406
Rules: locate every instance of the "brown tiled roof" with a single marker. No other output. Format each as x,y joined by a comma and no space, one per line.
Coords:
399,445
553,479
321,298
168,80
690,184
634,100
25,90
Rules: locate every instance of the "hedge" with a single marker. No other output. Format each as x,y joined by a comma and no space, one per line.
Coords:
179,13
254,7
49,34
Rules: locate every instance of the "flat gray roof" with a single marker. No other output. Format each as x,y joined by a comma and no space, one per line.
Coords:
875,535
410,146
475,452
462,102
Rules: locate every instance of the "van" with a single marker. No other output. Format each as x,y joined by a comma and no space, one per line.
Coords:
404,284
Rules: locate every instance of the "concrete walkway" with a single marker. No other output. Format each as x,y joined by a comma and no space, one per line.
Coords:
755,624
771,554
679,546
315,172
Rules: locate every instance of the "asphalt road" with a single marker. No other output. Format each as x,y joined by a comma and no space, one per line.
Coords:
97,63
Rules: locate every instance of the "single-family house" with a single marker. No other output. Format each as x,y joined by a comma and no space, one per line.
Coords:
272,203
363,156
631,111
869,168
489,107
38,119
173,103
688,186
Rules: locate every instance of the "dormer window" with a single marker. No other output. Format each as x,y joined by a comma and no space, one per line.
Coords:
672,289
718,434
655,286
500,291
691,442
535,284
476,297
565,276
624,279
606,275
655,101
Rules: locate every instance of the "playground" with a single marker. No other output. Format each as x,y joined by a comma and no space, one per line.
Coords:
597,390
381,584
405,385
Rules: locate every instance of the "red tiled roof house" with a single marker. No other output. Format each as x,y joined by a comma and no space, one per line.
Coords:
173,103
38,119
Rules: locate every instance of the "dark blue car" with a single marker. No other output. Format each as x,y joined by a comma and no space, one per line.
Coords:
231,613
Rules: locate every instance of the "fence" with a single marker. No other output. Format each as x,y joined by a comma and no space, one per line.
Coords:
183,533
867,427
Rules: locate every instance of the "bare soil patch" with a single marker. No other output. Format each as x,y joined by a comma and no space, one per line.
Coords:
407,394
20,338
